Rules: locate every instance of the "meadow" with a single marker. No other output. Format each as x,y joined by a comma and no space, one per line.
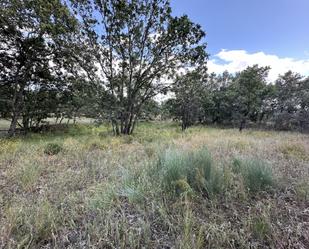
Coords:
82,187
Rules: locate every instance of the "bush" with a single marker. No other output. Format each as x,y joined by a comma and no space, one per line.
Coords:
183,171
257,174
52,149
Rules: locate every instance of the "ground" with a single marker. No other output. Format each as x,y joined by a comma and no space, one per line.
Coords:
159,188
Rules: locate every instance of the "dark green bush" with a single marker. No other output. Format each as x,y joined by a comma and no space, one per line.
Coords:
52,149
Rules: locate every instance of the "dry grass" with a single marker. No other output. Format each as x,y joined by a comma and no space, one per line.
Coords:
102,191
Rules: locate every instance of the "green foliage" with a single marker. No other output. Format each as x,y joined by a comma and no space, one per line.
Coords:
39,34
182,171
292,105
189,91
257,174
52,149
153,45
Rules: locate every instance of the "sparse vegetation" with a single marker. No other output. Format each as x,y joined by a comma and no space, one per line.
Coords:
294,150
190,189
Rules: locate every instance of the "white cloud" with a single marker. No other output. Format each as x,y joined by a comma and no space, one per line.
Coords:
237,60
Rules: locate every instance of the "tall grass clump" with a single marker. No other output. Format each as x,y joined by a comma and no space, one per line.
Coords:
189,171
257,175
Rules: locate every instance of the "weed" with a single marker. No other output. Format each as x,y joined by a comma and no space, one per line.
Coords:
28,174
302,190
97,146
260,227
101,197
128,139
52,149
32,224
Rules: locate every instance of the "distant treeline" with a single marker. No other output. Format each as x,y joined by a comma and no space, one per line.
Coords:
108,60
246,98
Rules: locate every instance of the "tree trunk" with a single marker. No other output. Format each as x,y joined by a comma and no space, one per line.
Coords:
115,127
242,125
16,111
128,121
133,125
12,129
26,122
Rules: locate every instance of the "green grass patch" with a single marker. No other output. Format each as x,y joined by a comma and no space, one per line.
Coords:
183,171
257,174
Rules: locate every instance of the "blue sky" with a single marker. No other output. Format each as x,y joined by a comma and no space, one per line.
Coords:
279,27
266,31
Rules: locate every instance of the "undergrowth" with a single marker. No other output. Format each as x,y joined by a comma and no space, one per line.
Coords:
82,187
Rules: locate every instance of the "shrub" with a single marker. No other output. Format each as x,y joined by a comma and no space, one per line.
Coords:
182,171
257,174
52,149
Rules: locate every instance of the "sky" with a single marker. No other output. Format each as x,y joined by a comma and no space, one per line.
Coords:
241,33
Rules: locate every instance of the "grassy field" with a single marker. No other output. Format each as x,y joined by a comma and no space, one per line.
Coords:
159,188
5,124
